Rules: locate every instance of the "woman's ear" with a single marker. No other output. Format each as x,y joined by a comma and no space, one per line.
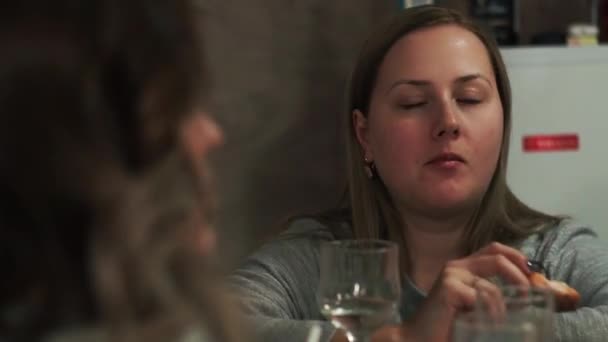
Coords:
360,125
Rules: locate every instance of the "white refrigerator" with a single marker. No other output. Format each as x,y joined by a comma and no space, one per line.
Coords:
558,160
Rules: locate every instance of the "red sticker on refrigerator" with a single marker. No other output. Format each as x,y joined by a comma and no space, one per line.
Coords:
550,142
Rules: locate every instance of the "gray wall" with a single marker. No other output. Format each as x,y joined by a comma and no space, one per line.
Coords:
279,69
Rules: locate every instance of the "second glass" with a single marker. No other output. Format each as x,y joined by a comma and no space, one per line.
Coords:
512,314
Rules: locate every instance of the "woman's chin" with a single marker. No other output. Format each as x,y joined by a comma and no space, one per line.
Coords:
449,203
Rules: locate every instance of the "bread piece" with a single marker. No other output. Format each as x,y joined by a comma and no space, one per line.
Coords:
566,297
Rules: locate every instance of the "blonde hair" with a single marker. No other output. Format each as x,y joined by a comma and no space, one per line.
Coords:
500,216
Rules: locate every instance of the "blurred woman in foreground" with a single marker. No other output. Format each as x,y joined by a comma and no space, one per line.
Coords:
104,207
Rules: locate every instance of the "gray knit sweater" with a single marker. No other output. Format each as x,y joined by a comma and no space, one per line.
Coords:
277,284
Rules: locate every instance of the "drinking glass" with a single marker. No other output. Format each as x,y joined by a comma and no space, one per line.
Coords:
359,285
517,313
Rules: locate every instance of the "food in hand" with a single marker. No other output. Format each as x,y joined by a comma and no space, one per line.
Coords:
566,297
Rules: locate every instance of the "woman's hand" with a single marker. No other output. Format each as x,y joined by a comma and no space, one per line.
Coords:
455,289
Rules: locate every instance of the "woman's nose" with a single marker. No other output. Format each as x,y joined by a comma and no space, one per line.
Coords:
447,125
201,135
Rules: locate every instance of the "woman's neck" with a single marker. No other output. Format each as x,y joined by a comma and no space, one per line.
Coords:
430,244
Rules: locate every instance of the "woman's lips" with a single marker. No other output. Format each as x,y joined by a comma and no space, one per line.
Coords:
446,160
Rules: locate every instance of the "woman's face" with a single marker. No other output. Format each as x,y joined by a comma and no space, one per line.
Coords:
435,122
201,135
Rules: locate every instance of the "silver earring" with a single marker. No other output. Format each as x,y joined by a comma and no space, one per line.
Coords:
369,167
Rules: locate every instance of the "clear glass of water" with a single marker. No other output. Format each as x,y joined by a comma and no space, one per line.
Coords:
515,313
359,285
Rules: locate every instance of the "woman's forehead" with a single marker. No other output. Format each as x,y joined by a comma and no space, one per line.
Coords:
434,53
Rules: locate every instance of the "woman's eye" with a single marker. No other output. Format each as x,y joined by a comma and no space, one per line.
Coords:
468,101
413,105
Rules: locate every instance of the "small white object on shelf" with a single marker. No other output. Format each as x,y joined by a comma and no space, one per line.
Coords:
412,3
583,35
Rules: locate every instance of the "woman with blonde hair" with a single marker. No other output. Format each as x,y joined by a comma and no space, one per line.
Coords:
104,200
428,122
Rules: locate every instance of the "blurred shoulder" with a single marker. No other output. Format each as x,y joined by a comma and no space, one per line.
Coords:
306,227
300,239
330,226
